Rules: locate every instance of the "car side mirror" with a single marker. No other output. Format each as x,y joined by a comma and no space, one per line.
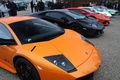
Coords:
83,13
64,19
7,42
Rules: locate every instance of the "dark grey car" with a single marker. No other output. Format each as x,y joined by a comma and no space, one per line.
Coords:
87,26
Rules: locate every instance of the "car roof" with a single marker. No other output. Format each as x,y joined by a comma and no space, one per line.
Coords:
85,7
9,20
74,8
55,10
60,10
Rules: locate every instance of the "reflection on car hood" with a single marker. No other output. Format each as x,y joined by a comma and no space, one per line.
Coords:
69,44
89,20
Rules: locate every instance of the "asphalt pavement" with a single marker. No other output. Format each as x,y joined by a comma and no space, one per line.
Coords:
109,48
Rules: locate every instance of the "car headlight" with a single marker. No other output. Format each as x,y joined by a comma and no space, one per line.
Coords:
84,39
93,25
62,62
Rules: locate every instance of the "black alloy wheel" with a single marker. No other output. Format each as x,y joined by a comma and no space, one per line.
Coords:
25,70
77,28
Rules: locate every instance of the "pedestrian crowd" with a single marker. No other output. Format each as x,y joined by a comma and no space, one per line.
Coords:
8,9
40,6
108,5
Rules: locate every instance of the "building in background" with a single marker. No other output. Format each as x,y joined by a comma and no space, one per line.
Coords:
77,3
34,0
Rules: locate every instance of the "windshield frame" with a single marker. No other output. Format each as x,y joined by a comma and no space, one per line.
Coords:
75,15
44,36
92,12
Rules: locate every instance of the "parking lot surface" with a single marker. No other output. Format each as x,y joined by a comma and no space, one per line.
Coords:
109,48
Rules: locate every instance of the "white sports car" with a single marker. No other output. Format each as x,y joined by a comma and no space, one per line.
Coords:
105,8
98,11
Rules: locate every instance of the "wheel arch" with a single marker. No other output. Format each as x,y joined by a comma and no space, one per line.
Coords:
17,57
75,23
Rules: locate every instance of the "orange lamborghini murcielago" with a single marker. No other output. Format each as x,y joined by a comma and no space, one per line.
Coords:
38,50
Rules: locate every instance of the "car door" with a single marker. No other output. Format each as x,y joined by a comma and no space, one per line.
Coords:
57,18
6,51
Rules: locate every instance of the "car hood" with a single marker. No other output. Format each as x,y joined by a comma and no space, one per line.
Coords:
113,10
88,20
69,44
106,13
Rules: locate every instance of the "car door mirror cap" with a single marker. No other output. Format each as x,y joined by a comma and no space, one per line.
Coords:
83,13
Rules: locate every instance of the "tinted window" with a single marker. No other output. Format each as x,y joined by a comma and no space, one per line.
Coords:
75,15
79,11
56,15
35,30
4,32
90,11
76,10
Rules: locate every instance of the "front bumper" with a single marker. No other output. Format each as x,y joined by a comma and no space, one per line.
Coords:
88,67
104,21
92,33
88,77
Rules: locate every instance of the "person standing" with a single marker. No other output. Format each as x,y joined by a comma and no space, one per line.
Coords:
102,4
66,5
13,8
87,5
84,4
52,5
36,6
49,5
41,5
32,6
4,9
119,8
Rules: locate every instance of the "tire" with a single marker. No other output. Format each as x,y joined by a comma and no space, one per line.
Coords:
77,28
25,70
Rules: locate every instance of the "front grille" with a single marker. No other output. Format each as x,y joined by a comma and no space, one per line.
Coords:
99,32
88,77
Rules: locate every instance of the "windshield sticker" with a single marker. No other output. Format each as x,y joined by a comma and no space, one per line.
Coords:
29,40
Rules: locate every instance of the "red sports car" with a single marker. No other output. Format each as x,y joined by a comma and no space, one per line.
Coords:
101,17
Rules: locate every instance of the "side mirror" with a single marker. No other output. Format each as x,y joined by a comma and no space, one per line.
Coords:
64,19
7,42
83,13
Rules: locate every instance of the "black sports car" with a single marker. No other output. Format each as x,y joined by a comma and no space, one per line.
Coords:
87,26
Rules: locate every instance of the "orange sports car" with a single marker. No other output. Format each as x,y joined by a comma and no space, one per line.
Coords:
38,50
101,17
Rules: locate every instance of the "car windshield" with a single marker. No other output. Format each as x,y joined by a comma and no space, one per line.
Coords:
97,9
36,30
90,11
103,7
75,15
